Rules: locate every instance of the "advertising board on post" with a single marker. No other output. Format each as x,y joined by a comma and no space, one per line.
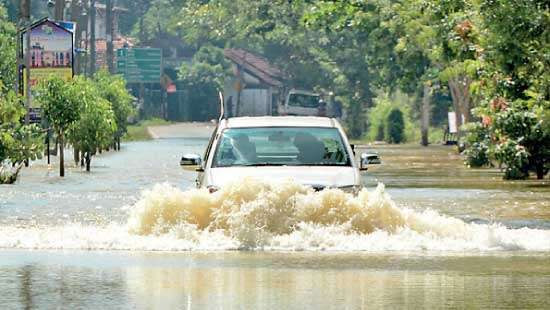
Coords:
51,52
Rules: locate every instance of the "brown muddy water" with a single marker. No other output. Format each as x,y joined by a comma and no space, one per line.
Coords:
133,234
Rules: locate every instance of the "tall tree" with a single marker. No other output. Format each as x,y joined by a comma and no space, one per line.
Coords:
113,89
96,125
61,108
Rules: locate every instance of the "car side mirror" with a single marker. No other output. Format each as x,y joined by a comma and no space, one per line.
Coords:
191,162
369,159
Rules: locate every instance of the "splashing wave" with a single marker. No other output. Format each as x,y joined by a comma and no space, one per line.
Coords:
251,214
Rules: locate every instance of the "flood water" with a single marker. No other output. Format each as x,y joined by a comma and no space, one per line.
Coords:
131,234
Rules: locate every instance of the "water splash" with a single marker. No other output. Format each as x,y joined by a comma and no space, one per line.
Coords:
251,214
288,215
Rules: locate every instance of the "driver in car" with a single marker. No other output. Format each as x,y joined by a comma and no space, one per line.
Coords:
311,150
243,149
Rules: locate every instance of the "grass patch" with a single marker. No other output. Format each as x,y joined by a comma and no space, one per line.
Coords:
139,132
435,136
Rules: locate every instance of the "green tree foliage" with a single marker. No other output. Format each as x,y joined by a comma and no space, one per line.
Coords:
395,125
18,142
134,22
113,89
378,117
479,141
61,108
97,123
204,76
11,8
310,58
473,51
7,50
207,69
154,19
514,85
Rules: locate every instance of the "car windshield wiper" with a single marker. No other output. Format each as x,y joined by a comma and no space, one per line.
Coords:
325,164
261,164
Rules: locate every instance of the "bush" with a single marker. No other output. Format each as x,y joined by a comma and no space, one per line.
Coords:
477,140
395,126
516,134
378,116
516,159
18,142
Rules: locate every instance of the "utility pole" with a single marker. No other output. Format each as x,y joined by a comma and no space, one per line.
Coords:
59,9
92,37
25,10
425,123
109,35
75,17
20,24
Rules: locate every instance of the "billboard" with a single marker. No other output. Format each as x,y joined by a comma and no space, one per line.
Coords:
51,52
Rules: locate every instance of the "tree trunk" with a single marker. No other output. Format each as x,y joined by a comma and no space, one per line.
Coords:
76,156
88,160
109,35
141,29
539,168
61,155
460,93
92,15
118,143
426,99
59,9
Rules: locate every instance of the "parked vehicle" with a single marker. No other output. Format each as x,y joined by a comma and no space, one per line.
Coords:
310,150
303,103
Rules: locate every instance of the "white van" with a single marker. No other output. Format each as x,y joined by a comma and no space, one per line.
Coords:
301,103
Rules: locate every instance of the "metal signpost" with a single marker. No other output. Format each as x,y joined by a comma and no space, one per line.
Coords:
140,66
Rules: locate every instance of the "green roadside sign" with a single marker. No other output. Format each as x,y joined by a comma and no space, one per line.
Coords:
140,65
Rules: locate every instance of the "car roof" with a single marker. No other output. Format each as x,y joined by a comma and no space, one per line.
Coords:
276,121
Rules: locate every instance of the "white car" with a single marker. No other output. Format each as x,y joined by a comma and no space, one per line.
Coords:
312,151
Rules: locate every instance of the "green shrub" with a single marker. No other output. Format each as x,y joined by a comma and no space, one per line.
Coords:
516,159
477,140
514,133
395,126
378,115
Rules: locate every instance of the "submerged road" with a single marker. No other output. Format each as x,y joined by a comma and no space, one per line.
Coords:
471,240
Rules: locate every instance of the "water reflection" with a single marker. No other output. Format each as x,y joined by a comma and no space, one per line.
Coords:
250,280
278,280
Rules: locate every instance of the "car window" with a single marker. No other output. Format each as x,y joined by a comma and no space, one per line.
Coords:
303,100
278,146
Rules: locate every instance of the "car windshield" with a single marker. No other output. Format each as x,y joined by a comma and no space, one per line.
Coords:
303,100
281,146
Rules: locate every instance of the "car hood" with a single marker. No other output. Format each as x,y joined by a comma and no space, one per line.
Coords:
312,175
